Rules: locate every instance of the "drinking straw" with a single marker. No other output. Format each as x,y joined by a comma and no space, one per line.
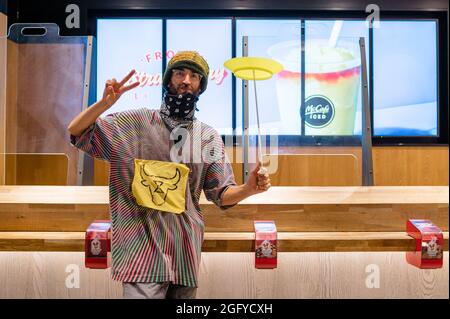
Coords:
334,36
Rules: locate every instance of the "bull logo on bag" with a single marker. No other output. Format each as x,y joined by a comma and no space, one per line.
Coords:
159,186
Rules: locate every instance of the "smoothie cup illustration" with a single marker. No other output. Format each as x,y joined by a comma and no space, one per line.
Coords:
332,79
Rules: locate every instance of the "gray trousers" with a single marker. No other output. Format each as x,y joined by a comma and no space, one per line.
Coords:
157,290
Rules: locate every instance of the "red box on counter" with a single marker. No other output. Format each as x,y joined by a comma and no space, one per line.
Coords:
98,245
265,244
429,244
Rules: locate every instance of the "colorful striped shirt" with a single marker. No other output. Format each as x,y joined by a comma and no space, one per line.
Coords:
150,245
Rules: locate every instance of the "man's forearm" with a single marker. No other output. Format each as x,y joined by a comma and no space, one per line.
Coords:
86,118
234,194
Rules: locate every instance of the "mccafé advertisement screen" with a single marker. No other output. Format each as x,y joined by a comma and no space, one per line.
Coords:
405,78
404,72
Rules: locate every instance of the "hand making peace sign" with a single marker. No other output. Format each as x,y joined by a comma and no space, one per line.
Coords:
113,89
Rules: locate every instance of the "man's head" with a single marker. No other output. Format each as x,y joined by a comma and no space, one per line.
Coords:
187,72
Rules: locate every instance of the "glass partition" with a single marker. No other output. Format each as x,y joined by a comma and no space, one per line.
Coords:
318,93
46,84
3,64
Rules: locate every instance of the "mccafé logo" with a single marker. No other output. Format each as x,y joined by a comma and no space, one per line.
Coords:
319,111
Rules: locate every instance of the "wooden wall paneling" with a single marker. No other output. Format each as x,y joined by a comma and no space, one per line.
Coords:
393,166
236,163
313,170
101,169
39,217
233,275
304,218
37,169
42,217
409,165
288,164
101,172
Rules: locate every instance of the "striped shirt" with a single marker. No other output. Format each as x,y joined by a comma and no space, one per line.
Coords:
150,245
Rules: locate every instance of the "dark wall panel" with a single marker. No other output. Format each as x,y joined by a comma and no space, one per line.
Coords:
55,10
3,6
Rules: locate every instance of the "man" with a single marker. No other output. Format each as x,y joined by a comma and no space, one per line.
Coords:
157,225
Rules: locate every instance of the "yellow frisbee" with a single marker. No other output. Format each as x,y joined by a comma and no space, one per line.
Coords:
253,68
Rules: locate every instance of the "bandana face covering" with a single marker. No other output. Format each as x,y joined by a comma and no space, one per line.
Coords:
180,105
173,110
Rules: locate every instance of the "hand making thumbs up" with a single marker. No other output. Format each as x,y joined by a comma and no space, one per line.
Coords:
258,180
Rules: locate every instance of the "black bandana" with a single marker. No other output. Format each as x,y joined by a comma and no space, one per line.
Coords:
178,109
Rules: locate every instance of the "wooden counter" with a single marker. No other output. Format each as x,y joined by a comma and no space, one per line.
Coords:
279,195
54,218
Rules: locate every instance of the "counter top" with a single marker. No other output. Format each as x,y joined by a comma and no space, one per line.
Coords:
288,195
294,209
